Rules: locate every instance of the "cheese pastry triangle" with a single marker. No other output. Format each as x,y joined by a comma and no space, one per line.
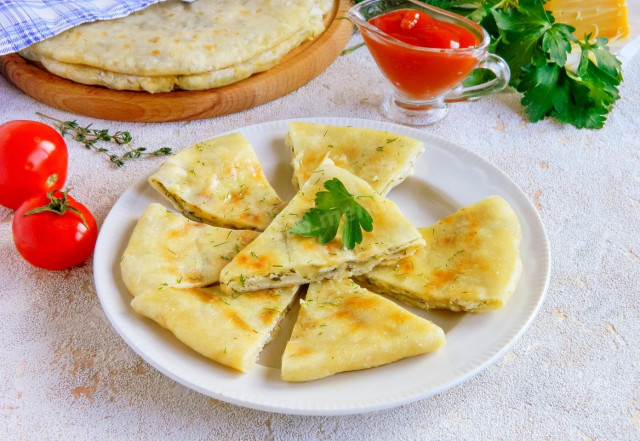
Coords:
381,158
280,258
343,327
471,262
219,182
166,249
230,329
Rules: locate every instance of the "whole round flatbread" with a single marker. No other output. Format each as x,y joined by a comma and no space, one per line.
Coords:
198,45
164,83
176,37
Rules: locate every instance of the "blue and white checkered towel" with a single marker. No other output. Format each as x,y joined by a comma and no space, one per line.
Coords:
24,22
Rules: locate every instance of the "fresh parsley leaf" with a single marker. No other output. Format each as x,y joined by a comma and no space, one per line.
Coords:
521,31
356,217
479,14
528,16
323,220
557,42
478,76
543,94
323,224
605,60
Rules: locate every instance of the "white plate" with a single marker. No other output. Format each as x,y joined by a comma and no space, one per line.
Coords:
446,178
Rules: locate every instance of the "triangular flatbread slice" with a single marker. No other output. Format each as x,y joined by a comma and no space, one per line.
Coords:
230,329
343,327
383,159
166,249
219,182
471,262
280,258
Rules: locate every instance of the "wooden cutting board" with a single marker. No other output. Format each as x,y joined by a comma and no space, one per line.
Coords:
297,68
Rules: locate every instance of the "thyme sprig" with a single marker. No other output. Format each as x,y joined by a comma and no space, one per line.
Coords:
95,139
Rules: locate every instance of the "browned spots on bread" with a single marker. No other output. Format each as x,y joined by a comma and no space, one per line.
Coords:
268,316
405,265
359,303
202,295
237,321
253,261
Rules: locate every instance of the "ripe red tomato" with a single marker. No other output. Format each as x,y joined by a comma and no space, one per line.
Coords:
33,160
50,240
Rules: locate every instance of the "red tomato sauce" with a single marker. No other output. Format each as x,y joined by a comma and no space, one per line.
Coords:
421,74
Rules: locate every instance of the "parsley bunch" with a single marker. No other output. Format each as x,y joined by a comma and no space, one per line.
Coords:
536,49
323,220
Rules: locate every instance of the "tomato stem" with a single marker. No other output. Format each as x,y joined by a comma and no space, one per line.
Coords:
58,206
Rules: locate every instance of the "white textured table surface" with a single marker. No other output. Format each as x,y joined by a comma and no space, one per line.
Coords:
574,375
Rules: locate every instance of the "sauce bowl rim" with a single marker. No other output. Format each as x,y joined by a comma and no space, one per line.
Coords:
356,18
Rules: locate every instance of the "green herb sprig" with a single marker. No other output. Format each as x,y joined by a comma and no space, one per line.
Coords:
323,220
536,49
90,137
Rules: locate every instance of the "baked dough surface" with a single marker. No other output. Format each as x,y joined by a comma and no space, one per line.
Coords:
166,249
280,258
381,158
229,329
343,327
471,262
219,182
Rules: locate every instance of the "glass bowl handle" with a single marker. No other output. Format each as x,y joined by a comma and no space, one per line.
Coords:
493,63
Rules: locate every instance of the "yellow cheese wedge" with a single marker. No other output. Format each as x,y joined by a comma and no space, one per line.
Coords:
600,18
